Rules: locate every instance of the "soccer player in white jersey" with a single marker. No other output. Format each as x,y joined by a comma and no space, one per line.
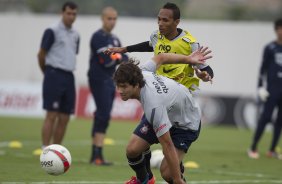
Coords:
174,117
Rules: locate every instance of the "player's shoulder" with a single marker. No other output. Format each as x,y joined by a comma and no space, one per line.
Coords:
98,35
99,32
75,31
154,34
270,46
187,37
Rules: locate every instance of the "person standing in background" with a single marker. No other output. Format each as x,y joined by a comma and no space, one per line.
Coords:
270,93
100,80
57,61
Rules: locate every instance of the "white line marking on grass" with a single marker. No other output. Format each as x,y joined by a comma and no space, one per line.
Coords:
235,181
121,182
4,144
258,175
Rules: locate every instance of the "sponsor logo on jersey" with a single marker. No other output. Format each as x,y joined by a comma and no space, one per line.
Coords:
164,48
168,70
159,85
160,128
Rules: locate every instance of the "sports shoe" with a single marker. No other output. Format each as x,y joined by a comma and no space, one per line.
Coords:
273,154
152,180
134,180
253,154
100,162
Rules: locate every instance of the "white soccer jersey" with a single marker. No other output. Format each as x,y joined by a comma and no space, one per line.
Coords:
167,103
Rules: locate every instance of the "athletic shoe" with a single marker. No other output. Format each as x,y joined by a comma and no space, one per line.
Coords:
134,180
152,180
253,154
273,154
101,162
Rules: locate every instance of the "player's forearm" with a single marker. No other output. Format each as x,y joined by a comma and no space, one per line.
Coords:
140,47
170,155
172,160
171,58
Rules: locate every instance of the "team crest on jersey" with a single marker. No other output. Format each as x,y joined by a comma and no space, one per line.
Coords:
115,42
144,129
278,58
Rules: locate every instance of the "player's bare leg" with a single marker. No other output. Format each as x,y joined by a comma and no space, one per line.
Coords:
165,172
136,146
48,126
60,128
134,153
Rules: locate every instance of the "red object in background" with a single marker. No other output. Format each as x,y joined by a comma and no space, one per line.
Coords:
122,110
116,56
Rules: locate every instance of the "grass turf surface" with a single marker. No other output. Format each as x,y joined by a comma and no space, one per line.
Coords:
219,151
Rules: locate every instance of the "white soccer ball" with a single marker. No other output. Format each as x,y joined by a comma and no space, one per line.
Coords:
55,159
156,158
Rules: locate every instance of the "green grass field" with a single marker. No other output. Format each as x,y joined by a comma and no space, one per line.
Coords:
220,153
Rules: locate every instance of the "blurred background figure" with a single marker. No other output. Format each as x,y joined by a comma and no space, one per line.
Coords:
270,93
57,62
102,87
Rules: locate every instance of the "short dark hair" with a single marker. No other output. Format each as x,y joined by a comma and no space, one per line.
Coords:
69,4
129,72
278,23
174,8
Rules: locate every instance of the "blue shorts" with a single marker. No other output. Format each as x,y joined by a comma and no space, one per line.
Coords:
58,90
182,139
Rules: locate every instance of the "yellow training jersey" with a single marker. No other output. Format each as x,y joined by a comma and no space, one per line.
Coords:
182,44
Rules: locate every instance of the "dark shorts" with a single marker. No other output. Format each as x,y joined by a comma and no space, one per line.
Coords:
182,139
58,90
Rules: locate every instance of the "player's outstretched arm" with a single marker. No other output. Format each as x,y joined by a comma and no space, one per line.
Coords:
139,47
114,50
197,57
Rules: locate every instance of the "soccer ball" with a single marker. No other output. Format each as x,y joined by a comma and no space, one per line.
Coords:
156,158
55,159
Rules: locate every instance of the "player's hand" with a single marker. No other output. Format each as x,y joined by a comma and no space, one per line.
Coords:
200,56
114,50
203,75
263,94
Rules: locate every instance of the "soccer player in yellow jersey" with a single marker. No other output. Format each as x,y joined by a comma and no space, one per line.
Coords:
168,39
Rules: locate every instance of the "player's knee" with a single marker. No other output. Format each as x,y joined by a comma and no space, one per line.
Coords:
51,116
131,151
